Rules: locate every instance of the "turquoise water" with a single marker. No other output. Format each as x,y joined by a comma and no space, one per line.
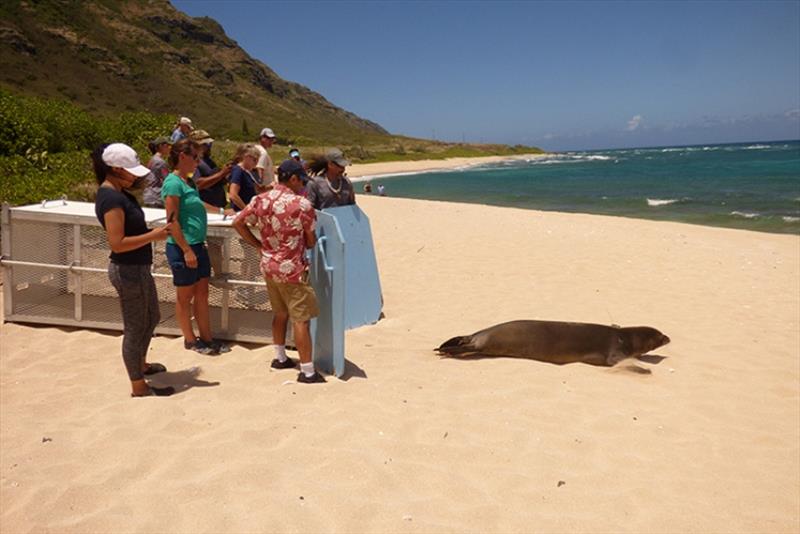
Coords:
754,186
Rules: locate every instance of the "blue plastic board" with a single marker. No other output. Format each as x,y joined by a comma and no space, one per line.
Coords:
363,301
327,276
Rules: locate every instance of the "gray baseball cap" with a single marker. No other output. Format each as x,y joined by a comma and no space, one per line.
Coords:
335,155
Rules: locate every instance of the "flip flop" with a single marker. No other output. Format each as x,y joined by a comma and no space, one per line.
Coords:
153,368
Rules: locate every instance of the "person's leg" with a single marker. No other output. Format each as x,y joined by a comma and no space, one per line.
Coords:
302,339
127,280
183,278
280,320
183,311
302,304
153,313
279,323
201,313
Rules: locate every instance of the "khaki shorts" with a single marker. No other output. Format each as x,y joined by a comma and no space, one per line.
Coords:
298,300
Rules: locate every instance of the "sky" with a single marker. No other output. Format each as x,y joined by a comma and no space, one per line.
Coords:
558,75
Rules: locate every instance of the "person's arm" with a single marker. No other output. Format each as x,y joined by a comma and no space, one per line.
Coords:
308,218
240,224
237,175
207,181
210,208
233,193
311,193
115,232
310,237
173,204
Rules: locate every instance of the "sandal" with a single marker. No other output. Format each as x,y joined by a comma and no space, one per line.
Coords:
153,391
154,368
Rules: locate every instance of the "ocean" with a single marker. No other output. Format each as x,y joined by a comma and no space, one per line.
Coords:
753,186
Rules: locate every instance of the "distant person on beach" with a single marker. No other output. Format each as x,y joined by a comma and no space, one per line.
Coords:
330,187
381,190
117,168
182,129
244,178
186,250
295,155
368,188
286,222
159,169
209,178
264,166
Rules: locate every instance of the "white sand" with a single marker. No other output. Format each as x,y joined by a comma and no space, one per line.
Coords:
709,442
364,171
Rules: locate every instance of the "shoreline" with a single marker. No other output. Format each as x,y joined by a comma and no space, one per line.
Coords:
361,172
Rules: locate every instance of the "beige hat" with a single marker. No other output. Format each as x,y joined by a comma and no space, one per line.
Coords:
185,120
201,136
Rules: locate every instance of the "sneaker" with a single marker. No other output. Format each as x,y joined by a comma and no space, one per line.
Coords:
200,347
288,363
316,378
218,345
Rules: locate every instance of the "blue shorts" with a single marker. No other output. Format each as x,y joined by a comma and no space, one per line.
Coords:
183,275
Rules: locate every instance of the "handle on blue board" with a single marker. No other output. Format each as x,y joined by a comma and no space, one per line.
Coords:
320,242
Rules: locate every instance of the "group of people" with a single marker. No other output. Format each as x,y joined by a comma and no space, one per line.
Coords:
183,178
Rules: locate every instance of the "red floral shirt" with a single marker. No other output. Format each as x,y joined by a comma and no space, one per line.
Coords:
282,217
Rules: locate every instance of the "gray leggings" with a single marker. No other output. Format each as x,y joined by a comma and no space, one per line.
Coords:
140,313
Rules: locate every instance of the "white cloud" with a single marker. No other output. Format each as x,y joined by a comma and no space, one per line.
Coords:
634,123
793,114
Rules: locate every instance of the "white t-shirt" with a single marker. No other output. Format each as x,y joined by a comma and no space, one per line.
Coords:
266,166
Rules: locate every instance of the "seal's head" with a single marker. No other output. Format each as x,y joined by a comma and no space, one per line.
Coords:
638,340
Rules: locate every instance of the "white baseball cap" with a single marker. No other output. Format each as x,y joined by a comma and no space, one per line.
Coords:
121,155
267,132
185,120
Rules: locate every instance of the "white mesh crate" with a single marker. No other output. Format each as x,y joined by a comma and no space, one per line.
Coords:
55,259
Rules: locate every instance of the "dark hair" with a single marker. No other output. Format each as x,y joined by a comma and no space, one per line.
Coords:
152,147
317,165
185,146
100,167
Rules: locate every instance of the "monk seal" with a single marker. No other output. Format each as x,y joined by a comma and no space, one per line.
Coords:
558,342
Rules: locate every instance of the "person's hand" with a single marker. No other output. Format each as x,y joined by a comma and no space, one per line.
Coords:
190,258
226,170
161,233
229,212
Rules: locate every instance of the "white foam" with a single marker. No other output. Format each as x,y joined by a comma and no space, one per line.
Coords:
744,214
653,202
790,219
755,147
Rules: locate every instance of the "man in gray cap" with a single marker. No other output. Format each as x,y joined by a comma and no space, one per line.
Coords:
330,187
265,168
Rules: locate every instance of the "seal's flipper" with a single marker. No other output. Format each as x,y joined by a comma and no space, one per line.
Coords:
457,345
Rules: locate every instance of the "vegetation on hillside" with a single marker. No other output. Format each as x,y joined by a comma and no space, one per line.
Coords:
45,145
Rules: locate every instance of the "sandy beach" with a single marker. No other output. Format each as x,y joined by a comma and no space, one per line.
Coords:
707,440
363,171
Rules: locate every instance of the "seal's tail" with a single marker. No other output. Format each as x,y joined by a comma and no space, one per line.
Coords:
457,345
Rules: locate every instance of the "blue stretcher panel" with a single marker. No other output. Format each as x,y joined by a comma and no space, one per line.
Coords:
344,274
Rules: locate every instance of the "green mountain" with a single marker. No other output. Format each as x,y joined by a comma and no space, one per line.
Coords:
112,56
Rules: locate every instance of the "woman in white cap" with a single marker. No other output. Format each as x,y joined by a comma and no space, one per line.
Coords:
117,168
330,187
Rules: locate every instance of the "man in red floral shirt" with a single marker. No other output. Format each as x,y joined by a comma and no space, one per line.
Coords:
286,223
